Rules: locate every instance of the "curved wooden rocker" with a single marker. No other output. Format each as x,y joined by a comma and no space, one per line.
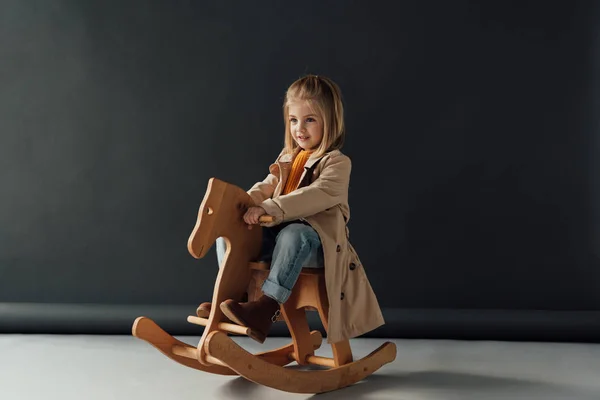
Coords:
220,215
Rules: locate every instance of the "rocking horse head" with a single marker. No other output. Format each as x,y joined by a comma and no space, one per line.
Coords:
220,215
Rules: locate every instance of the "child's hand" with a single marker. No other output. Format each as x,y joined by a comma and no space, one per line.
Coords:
252,215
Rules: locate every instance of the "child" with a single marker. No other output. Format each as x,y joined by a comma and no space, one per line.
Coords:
306,192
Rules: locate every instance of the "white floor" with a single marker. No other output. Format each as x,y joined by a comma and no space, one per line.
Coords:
124,368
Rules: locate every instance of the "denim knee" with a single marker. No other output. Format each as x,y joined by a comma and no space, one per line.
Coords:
296,245
294,234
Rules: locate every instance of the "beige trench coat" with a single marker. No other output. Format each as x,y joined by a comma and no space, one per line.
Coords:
321,200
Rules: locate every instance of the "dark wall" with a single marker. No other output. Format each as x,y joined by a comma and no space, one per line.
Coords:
472,131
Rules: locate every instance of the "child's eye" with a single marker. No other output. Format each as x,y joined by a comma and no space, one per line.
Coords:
309,119
293,120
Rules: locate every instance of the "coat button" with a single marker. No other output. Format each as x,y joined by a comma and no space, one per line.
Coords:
352,266
338,248
342,296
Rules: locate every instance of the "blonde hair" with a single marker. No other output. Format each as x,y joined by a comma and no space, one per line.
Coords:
324,97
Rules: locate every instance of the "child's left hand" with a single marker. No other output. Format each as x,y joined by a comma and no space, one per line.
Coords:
252,214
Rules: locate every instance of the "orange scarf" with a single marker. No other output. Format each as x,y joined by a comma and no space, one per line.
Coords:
297,168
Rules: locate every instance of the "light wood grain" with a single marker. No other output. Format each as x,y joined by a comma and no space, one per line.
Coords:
222,326
147,330
220,215
286,379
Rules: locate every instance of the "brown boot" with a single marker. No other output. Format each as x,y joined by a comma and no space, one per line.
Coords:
257,315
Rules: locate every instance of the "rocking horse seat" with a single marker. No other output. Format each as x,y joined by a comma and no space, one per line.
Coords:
264,266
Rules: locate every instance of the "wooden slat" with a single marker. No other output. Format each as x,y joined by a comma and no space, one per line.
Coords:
223,326
323,361
197,320
315,360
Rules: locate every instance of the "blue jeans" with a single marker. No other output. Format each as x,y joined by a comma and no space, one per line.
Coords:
289,247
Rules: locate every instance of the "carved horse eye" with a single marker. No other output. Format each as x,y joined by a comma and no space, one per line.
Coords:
209,210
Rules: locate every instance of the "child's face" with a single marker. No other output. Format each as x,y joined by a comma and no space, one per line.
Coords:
306,126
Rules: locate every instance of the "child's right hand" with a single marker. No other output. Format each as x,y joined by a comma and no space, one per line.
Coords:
252,214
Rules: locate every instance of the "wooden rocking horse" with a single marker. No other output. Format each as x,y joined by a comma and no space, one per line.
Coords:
220,215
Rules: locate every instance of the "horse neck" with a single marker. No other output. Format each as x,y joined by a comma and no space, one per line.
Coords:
245,244
230,227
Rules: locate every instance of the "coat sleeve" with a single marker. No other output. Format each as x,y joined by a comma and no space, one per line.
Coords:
264,189
328,190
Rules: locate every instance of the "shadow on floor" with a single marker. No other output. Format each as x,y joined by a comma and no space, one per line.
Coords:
435,385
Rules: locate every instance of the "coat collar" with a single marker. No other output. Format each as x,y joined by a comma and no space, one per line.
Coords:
288,158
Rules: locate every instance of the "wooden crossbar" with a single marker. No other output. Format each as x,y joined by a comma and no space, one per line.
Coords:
191,352
222,326
315,360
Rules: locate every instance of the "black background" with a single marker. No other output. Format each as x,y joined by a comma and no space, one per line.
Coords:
472,130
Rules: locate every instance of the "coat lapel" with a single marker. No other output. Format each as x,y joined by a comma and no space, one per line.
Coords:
285,165
308,167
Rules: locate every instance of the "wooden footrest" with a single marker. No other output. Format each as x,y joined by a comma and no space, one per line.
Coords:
222,326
